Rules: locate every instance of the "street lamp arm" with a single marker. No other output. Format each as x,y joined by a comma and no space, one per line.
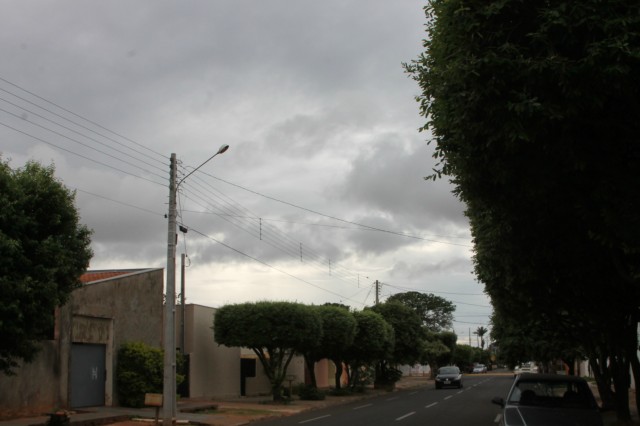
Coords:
222,149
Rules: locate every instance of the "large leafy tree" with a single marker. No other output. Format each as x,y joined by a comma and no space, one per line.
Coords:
275,331
533,107
408,345
338,332
44,250
407,331
373,342
435,312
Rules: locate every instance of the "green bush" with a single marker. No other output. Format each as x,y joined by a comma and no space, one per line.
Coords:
340,392
140,370
310,393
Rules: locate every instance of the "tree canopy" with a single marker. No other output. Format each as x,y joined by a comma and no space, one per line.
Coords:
407,332
338,332
373,342
44,249
275,331
533,110
435,312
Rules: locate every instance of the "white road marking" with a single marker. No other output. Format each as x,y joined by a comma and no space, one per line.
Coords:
362,406
431,405
459,392
393,398
405,416
447,397
498,418
314,419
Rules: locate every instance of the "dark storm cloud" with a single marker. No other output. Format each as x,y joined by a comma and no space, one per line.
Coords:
310,95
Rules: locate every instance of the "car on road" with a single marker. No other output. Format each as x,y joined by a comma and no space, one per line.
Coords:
549,399
525,367
448,376
479,368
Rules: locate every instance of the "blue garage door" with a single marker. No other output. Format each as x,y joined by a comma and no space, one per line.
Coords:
87,375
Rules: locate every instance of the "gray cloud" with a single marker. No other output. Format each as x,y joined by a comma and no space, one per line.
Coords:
310,95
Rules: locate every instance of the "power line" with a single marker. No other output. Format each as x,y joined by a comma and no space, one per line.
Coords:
75,115
270,266
77,154
336,218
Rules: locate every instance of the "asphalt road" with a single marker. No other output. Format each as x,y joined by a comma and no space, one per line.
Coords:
468,406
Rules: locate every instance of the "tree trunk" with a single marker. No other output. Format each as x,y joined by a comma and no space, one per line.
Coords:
311,367
338,375
603,380
635,368
620,373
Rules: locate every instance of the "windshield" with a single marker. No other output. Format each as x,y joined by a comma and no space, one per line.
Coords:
554,393
449,370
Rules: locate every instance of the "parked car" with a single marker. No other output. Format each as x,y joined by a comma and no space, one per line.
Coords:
448,376
525,367
479,368
548,399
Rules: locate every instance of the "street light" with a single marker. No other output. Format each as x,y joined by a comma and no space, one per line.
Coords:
169,407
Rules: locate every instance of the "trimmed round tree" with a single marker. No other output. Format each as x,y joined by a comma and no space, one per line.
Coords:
275,331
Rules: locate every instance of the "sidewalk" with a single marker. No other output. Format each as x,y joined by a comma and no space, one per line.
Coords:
228,412
235,411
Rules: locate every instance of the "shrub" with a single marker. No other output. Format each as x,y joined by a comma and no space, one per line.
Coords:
310,393
139,371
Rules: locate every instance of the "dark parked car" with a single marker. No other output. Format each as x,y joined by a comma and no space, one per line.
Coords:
449,376
546,399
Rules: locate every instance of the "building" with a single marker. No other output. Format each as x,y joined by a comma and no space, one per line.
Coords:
76,368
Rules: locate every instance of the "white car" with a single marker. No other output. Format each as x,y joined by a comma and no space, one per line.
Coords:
525,367
480,368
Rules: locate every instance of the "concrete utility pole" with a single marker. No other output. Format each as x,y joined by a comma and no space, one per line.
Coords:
182,301
169,394
169,402
377,292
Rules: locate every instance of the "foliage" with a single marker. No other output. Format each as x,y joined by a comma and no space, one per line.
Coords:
44,251
275,331
387,376
480,332
407,331
58,419
310,393
139,371
435,312
374,341
338,332
533,109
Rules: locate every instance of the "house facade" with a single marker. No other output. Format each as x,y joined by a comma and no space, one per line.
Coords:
76,368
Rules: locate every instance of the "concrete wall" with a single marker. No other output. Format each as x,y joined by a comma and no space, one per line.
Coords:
19,396
111,311
215,370
117,310
260,385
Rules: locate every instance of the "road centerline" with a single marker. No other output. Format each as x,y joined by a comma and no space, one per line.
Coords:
362,406
405,416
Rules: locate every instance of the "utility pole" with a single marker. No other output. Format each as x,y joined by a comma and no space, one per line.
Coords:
182,302
377,292
169,391
169,403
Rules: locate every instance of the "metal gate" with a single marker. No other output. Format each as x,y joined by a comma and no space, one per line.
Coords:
87,375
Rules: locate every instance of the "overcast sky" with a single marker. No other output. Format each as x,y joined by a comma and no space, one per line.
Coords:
321,192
